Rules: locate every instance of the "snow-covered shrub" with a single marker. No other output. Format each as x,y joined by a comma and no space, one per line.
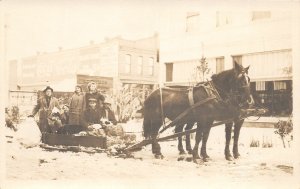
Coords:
284,129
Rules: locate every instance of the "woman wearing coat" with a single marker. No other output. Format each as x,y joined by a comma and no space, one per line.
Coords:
94,94
77,106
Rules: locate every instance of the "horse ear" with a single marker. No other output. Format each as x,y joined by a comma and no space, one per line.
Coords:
247,68
237,67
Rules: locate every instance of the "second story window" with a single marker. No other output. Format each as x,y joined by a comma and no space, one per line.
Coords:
150,66
222,18
258,15
127,63
140,65
192,22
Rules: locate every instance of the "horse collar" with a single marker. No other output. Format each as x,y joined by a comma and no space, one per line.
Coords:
191,96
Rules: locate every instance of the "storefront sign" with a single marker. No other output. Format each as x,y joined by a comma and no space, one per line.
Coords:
103,83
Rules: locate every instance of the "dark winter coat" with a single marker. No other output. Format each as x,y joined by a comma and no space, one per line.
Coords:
44,108
90,117
76,108
108,114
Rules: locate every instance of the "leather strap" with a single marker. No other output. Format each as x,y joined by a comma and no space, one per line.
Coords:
191,96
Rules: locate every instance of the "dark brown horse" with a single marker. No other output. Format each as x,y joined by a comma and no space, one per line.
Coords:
175,101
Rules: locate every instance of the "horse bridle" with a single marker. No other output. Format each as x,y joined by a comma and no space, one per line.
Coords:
233,94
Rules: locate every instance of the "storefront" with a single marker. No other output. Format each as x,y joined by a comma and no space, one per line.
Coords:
271,76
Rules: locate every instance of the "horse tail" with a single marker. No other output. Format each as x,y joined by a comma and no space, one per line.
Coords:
147,127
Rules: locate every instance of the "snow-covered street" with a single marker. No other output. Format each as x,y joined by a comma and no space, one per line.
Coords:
257,168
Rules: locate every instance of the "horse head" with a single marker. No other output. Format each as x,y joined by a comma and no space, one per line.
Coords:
234,84
242,83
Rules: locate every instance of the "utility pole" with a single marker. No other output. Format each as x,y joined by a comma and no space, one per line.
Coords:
6,65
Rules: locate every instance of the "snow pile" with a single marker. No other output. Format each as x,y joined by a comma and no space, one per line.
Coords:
28,133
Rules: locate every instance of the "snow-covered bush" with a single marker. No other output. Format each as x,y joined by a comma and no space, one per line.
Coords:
284,129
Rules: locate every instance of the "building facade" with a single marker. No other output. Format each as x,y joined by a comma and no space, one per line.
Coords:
261,39
125,62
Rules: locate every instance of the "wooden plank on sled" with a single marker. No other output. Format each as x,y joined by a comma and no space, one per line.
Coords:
72,140
138,146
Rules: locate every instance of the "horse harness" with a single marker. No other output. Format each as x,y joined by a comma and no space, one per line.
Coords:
212,94
209,89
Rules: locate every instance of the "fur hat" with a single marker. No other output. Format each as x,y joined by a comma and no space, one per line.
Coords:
91,83
79,86
47,88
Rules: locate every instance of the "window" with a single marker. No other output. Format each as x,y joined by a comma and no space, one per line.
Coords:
127,64
222,18
260,86
169,72
257,15
219,65
140,65
279,85
192,21
150,66
237,59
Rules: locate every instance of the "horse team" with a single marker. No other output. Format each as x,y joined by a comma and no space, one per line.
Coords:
231,92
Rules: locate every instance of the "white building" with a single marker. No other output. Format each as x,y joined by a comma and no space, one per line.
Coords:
261,39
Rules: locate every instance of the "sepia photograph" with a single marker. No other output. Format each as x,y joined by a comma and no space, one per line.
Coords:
149,94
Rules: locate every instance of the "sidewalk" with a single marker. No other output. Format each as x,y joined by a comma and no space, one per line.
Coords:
262,122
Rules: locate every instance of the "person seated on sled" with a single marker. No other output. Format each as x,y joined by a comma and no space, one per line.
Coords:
107,115
65,114
91,115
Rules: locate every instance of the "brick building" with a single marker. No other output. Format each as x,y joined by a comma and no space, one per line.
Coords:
125,62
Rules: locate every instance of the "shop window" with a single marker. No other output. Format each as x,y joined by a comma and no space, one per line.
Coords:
169,72
260,86
280,85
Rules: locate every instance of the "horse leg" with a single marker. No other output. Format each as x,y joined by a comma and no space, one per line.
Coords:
188,138
156,150
237,129
178,129
206,131
199,133
228,130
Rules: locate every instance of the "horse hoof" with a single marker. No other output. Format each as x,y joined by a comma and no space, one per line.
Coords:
198,161
190,151
205,156
180,158
159,156
228,158
182,152
236,156
205,159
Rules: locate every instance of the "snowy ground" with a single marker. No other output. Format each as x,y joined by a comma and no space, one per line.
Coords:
257,168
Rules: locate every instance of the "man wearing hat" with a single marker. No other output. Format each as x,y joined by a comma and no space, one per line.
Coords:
45,104
91,115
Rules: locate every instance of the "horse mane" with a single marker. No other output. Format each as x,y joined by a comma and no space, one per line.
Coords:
224,79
